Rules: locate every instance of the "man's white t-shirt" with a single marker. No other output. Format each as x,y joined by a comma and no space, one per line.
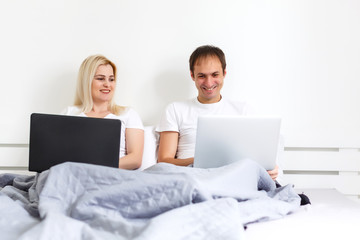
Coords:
129,119
182,117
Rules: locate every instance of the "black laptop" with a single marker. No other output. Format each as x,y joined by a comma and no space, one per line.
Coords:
55,139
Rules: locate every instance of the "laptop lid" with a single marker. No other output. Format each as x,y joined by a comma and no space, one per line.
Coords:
221,140
55,139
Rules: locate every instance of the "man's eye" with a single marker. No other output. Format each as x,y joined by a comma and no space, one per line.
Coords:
215,75
201,76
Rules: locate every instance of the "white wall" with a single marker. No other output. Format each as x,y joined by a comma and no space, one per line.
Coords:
294,58
299,59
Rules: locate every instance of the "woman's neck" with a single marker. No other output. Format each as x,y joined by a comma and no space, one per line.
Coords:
99,110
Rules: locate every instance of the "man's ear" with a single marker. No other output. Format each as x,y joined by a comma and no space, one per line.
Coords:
192,75
224,72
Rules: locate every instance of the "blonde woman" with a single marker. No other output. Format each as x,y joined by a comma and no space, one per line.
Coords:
95,98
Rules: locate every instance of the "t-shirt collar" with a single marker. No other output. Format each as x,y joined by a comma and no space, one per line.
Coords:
209,104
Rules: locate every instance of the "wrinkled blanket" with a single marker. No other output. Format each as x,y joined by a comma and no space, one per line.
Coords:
83,201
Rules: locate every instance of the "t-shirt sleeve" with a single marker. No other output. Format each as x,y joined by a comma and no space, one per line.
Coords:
71,110
248,109
65,111
168,120
134,120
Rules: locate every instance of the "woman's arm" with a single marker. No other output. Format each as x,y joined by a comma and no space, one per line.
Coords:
134,141
168,147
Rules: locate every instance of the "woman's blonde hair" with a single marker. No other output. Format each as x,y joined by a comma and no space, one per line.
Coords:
86,75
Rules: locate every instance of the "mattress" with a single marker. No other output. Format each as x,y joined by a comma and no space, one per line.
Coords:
330,216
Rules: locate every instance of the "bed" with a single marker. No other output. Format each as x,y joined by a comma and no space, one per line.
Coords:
162,201
330,216
81,201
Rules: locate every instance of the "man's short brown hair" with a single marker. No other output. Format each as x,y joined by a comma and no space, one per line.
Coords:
204,52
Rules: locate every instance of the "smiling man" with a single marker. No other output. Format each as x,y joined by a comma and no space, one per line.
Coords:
178,124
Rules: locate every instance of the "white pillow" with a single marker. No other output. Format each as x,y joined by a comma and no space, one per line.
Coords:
151,139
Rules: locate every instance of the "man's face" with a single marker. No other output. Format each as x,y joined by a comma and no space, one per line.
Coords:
209,79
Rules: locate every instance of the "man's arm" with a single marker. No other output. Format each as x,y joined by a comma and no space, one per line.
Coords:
277,171
167,149
274,173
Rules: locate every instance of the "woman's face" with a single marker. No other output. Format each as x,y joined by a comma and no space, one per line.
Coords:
103,84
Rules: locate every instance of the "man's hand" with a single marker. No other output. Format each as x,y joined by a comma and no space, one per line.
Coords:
274,173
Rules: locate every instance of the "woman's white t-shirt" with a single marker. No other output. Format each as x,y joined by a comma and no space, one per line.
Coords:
129,119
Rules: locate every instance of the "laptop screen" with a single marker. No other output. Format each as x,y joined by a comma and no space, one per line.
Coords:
221,140
55,139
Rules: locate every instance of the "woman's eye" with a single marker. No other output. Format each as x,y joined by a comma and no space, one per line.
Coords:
112,79
100,79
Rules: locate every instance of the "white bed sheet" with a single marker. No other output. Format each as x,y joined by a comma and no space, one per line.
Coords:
330,216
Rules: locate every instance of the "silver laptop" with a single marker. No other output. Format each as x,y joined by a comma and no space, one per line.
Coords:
55,139
221,140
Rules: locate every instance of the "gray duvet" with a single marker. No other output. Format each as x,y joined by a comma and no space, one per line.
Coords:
81,201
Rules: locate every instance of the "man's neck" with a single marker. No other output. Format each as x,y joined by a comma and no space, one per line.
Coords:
205,101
